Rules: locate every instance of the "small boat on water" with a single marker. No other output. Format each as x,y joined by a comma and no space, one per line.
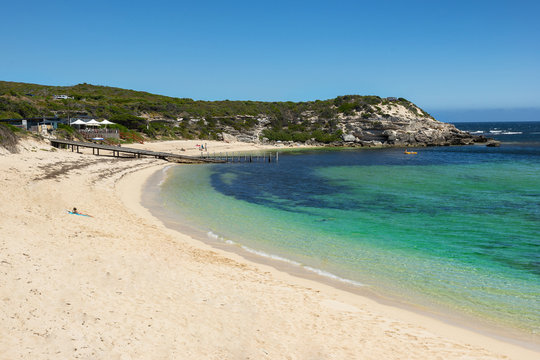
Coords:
410,152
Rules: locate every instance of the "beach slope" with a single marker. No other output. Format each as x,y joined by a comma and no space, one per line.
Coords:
120,285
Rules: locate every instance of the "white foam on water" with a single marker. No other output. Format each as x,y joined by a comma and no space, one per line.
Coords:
332,276
270,256
213,236
163,175
511,133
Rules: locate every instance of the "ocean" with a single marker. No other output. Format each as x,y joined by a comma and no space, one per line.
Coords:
450,230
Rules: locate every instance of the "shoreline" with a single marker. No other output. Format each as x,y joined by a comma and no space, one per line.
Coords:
122,285
297,270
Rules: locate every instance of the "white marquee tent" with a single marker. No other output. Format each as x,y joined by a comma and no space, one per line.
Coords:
92,122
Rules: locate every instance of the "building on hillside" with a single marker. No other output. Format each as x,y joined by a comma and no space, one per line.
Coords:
35,124
62,97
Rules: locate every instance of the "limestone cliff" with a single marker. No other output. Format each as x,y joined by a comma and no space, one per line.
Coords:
385,124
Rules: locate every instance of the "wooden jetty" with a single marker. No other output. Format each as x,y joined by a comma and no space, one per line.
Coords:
242,157
137,153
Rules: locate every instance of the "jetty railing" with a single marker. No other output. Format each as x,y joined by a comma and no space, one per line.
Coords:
100,133
242,157
120,151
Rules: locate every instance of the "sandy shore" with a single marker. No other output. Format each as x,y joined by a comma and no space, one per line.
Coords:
192,147
120,285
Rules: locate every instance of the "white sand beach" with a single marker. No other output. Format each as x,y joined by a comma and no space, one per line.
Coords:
120,285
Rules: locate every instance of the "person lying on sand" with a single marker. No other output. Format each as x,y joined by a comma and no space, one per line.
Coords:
75,212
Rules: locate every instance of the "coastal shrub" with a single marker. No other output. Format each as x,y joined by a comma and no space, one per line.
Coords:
372,100
325,137
9,115
347,108
131,136
67,132
23,108
327,113
66,128
277,135
8,139
118,127
426,114
301,136
300,127
13,128
129,121
377,125
249,123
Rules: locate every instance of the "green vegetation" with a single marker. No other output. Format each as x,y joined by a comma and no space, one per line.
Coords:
67,132
14,128
297,136
188,118
8,137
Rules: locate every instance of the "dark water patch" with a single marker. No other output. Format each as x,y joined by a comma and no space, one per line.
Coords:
295,182
458,224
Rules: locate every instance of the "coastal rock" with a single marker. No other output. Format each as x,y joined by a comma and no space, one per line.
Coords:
493,143
245,138
349,138
371,143
390,135
228,137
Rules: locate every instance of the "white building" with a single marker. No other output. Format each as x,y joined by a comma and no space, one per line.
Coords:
62,97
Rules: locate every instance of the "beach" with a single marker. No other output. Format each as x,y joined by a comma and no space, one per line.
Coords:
121,285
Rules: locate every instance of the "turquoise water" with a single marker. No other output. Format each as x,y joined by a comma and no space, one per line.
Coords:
450,228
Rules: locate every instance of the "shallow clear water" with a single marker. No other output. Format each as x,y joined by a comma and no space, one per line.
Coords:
454,228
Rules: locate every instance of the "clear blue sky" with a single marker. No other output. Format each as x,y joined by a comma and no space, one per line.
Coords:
438,54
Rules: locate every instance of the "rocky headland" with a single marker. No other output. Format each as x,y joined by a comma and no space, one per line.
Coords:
389,124
350,120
